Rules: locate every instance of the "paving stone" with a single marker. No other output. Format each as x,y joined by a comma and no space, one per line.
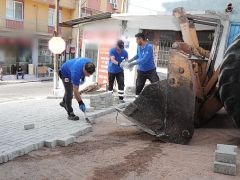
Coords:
82,131
3,158
90,109
227,147
28,148
52,143
51,124
225,156
225,168
28,126
65,141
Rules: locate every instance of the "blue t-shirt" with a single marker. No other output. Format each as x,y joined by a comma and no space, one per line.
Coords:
73,70
145,58
113,68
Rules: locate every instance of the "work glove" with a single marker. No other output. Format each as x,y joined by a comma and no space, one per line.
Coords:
82,106
131,65
131,60
122,64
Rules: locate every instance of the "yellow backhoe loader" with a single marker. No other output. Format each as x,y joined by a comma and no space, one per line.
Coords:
194,90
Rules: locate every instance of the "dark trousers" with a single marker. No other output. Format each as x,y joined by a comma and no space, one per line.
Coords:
143,76
20,74
120,81
68,95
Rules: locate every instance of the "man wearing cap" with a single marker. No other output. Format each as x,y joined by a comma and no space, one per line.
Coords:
117,55
145,61
73,73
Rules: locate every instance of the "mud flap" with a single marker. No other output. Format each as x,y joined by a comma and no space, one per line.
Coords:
166,108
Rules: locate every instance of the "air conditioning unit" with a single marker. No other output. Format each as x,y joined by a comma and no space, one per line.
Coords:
115,6
112,1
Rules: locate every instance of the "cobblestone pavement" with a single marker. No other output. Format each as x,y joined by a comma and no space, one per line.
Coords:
50,124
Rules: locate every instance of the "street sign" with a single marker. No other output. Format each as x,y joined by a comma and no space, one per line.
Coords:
56,45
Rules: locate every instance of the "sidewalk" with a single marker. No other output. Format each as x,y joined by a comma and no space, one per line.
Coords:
51,125
11,79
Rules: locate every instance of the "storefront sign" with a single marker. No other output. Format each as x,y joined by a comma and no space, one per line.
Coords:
103,59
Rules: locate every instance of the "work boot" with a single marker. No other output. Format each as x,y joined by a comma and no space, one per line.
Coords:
120,100
73,117
62,104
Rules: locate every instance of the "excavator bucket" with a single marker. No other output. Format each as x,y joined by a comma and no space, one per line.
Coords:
166,108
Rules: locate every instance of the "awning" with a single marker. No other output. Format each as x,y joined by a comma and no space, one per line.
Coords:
86,19
157,21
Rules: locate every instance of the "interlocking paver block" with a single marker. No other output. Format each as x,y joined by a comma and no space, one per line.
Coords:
28,148
52,124
28,126
90,109
65,141
225,156
227,147
225,168
3,158
50,143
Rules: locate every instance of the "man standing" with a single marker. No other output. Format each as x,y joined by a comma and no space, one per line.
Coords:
144,60
117,56
72,74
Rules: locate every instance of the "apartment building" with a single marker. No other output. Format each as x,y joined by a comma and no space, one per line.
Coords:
25,28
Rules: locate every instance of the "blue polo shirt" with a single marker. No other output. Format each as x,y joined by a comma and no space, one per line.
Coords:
145,58
73,70
113,68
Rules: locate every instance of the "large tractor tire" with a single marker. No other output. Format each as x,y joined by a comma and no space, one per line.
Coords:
229,81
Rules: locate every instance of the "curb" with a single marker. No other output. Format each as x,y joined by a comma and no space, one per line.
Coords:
20,82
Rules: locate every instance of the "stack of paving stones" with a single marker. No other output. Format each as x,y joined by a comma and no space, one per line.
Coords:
102,100
226,159
130,91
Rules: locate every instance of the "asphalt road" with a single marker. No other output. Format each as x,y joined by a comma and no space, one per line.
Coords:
24,91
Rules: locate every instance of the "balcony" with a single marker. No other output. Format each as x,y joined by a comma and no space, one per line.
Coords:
68,4
31,27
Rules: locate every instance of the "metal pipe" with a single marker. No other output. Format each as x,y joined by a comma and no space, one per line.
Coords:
55,57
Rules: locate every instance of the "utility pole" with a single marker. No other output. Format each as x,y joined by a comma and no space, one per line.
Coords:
55,59
78,30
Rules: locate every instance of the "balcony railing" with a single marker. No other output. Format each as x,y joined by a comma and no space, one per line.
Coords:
69,4
39,27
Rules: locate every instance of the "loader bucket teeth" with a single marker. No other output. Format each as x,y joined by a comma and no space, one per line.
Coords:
166,108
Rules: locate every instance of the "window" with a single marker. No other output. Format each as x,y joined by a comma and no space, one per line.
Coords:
233,33
51,16
14,10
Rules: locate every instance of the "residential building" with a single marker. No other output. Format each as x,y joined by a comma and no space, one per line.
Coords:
25,29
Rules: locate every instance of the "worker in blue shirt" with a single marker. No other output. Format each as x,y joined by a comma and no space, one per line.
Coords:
117,55
73,73
145,61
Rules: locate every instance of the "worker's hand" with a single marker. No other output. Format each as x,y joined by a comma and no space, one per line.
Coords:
122,64
82,106
131,60
131,65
